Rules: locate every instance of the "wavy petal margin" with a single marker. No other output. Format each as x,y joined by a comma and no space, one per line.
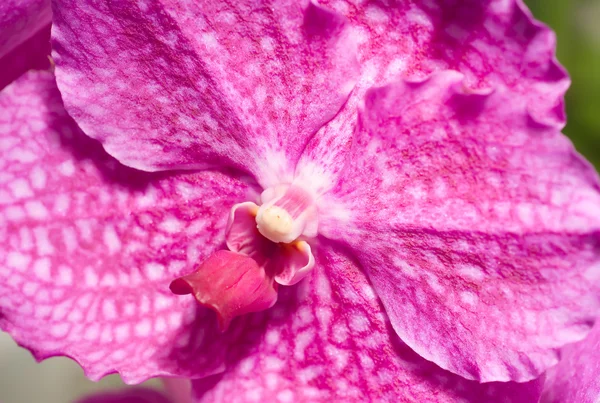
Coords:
328,339
493,43
478,226
177,84
88,247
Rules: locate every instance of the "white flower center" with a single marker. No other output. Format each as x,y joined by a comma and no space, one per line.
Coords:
275,223
286,213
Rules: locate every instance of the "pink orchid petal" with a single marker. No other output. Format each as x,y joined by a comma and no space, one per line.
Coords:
33,54
24,38
231,284
328,339
576,378
478,226
243,83
133,395
242,234
88,247
294,262
20,20
493,43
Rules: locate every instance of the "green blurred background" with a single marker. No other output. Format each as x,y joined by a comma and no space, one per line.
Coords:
577,25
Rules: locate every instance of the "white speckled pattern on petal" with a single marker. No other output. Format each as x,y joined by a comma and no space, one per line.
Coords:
88,247
328,339
478,226
178,84
494,43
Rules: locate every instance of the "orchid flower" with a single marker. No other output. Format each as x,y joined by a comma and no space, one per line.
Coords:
365,201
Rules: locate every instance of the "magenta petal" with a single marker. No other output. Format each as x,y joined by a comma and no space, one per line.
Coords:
479,227
134,395
240,83
576,378
88,247
293,263
20,20
494,43
24,38
328,339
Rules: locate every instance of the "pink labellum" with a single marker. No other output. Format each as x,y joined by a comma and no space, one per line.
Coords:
245,279
231,284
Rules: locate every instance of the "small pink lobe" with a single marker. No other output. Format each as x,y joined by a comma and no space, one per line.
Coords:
231,284
180,287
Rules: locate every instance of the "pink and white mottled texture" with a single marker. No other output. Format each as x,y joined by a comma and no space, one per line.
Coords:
494,43
326,336
329,339
472,217
472,220
194,104
576,378
88,247
24,37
